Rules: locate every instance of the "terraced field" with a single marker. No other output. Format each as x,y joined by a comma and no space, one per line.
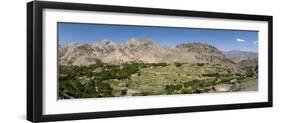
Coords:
141,79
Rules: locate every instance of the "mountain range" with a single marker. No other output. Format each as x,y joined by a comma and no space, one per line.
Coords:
148,51
242,58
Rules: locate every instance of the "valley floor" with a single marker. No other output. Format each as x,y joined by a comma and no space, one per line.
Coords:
141,79
250,85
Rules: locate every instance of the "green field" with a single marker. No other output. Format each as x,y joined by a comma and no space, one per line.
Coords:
142,79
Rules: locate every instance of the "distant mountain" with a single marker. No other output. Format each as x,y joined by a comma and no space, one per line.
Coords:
137,50
242,58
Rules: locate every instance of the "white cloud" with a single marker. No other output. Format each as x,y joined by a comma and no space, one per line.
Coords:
255,42
240,40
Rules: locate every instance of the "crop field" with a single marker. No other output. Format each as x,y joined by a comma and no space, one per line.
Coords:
144,79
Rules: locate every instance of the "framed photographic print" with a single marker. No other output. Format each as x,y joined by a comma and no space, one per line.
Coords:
95,61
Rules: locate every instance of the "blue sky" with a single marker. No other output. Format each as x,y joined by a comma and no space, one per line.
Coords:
224,40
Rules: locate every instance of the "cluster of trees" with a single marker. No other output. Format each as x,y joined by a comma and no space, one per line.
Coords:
256,71
178,64
70,85
251,71
200,64
217,75
144,93
170,89
189,86
194,85
212,74
74,89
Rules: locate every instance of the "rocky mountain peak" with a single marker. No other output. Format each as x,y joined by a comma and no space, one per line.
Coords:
134,42
200,48
136,50
106,43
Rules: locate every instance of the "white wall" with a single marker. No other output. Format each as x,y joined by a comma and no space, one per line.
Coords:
13,61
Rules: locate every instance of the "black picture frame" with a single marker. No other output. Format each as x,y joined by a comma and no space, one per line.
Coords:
35,69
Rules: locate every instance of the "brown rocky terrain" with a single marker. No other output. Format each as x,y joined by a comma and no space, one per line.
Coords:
242,58
136,50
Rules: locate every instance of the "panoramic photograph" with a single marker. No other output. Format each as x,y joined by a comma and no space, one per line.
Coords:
104,60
